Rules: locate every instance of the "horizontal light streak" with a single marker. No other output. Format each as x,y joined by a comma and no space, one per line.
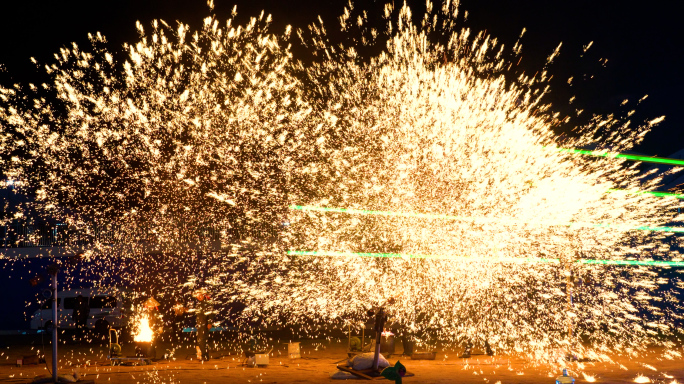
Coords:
517,260
652,193
480,220
646,159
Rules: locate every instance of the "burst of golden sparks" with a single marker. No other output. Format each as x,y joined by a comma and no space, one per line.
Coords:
181,161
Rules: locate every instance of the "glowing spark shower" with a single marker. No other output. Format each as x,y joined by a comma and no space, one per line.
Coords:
499,259
180,161
477,220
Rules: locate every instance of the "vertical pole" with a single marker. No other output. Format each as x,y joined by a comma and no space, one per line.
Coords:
53,269
569,285
55,322
568,289
363,336
349,337
379,326
376,356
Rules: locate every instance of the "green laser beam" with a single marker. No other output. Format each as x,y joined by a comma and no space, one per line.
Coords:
407,256
652,193
647,159
483,220
518,260
657,263
661,194
659,160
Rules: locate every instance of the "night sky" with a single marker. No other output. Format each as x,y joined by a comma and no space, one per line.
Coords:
639,39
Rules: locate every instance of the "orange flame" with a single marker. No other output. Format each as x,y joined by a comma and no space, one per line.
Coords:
144,332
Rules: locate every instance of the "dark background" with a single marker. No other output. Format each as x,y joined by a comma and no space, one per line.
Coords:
641,40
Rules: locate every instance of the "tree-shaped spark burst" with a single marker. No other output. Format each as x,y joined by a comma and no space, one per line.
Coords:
420,171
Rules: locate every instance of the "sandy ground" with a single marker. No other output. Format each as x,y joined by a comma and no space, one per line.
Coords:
318,361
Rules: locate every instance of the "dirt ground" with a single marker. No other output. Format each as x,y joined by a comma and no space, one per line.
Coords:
319,358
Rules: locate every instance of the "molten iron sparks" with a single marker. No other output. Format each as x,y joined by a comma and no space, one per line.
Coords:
186,156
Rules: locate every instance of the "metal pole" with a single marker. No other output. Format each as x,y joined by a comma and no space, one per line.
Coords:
363,337
569,286
376,356
568,289
379,326
55,321
53,270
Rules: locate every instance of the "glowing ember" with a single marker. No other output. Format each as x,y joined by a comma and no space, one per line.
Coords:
143,331
589,378
642,379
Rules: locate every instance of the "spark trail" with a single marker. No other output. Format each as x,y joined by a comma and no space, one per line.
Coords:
193,147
